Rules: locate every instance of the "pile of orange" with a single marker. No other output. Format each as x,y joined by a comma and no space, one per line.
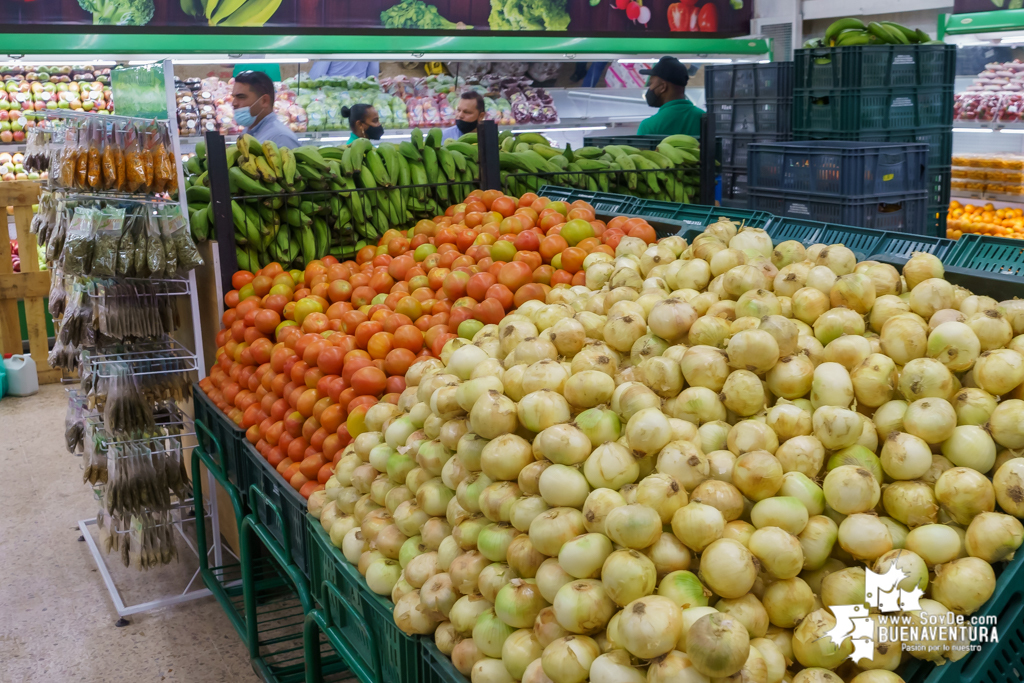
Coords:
303,354
984,220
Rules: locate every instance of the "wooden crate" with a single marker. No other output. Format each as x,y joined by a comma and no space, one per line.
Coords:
30,286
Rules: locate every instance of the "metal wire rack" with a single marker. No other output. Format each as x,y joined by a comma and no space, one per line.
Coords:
148,358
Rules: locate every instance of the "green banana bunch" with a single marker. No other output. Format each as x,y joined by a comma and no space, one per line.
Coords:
852,31
232,12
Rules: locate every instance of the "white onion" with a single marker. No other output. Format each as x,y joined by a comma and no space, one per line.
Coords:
836,428
718,645
964,493
721,495
804,454
583,606
439,594
934,543
728,568
569,659
583,556
705,366
964,585
1000,371
787,512
552,528
564,486
412,617
758,474
813,648
650,626
994,537
778,552
864,536
788,601
609,466
539,410
1004,424
970,446
633,526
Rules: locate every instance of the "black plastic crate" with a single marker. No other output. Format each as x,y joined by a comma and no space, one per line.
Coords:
735,146
772,115
894,213
936,222
638,141
847,110
730,81
279,507
874,66
734,187
843,169
231,437
939,140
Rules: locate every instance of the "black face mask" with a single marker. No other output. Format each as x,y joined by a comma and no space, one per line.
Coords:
374,132
653,99
465,126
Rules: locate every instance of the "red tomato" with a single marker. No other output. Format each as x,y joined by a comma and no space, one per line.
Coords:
331,360
528,292
489,311
515,274
707,18
399,360
366,330
502,293
459,315
408,337
369,381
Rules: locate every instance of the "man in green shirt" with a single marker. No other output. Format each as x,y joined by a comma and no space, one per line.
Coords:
666,90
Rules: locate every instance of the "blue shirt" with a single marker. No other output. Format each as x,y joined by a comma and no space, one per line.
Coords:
271,128
354,69
450,133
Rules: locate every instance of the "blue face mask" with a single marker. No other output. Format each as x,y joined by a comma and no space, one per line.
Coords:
243,117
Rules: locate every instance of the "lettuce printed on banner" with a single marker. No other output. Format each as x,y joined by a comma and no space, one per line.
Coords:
528,15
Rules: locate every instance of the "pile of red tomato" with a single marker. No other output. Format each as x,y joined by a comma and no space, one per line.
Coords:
304,354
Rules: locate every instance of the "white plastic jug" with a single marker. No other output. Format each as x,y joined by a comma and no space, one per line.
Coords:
22,379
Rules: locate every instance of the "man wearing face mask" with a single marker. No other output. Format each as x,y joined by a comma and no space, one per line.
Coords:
470,111
253,99
666,90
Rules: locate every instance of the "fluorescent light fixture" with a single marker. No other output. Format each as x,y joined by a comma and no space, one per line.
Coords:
335,139
682,59
395,137
60,62
243,60
972,130
558,130
1011,131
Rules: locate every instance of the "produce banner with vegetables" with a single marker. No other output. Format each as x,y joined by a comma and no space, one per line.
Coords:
722,18
971,6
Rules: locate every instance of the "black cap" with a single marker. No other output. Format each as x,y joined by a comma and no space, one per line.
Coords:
669,69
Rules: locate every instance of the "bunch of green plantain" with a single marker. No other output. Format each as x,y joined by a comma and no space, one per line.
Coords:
293,206
669,173
853,31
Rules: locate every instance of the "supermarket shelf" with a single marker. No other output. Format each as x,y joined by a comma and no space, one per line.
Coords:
988,126
1013,199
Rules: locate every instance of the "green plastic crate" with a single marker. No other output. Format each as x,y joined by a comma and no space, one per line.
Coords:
376,641
338,596
990,254
277,505
863,242
699,215
902,245
439,668
874,66
603,202
231,437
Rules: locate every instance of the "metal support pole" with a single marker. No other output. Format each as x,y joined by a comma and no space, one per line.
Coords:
487,147
708,154
220,200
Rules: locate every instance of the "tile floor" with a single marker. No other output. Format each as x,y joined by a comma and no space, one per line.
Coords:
56,618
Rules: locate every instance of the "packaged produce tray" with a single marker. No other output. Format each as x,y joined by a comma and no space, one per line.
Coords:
735,146
648,142
846,110
398,656
770,115
731,81
230,436
939,140
874,66
837,168
896,213
439,669
277,505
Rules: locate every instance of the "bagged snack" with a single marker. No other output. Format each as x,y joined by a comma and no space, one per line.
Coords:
156,259
187,254
106,240
135,168
82,160
94,173
78,248
109,160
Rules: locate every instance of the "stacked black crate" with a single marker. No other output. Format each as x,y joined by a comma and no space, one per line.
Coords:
748,103
882,93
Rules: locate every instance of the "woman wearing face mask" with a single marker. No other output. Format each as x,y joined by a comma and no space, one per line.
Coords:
252,96
364,122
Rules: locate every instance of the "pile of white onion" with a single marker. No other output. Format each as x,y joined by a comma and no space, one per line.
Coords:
672,473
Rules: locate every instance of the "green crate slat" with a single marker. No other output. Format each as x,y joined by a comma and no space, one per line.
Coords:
863,242
692,215
400,657
231,437
258,472
603,202
989,254
439,668
325,565
901,245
